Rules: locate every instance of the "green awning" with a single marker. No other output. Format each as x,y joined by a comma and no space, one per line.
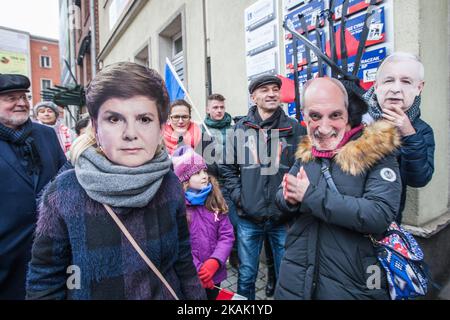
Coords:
65,96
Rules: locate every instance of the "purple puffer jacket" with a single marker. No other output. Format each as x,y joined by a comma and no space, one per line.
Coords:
211,237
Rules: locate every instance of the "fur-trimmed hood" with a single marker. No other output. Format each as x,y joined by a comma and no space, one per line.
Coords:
376,142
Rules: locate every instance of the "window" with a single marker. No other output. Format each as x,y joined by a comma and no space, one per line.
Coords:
142,57
177,45
171,43
177,55
45,84
46,62
115,10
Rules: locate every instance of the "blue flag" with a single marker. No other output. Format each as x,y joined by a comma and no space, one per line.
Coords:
173,84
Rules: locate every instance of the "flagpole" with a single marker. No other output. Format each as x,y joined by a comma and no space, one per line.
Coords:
188,97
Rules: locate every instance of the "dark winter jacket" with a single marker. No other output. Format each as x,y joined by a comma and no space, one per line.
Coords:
328,252
18,207
74,230
416,159
257,160
213,144
212,236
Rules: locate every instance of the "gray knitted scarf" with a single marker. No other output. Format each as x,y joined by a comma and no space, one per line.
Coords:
375,110
120,186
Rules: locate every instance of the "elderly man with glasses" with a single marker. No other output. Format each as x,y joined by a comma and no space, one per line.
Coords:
30,156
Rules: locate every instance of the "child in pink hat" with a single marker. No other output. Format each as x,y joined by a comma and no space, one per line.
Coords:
211,232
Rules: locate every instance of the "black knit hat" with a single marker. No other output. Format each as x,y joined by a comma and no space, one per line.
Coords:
13,82
262,81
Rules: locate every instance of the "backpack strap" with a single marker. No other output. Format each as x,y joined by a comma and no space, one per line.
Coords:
326,173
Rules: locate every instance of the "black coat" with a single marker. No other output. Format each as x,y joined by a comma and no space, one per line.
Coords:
256,162
18,207
328,252
416,159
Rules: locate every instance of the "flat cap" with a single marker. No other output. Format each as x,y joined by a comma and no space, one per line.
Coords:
13,82
262,81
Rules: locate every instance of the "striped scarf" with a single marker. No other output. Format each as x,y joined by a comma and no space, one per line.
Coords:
24,143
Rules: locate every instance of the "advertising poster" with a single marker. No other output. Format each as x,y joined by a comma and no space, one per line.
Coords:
353,7
302,51
370,62
354,29
14,52
12,62
311,11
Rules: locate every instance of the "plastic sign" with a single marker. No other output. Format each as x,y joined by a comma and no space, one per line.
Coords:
353,7
289,4
302,51
259,14
370,63
261,39
264,63
354,28
311,11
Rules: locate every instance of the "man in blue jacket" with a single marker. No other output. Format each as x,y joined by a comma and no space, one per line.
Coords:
30,156
396,97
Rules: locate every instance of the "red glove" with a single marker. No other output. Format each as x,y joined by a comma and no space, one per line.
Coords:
208,269
208,285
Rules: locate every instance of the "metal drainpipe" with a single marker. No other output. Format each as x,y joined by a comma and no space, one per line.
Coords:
205,39
93,39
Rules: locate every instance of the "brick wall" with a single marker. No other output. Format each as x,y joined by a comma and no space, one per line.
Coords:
42,47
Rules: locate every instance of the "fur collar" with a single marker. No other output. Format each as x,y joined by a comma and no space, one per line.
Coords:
376,142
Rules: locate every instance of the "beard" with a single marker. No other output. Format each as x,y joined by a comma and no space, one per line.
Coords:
14,121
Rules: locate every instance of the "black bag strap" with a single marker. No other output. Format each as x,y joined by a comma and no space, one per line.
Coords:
332,36
319,44
302,19
344,54
364,34
326,173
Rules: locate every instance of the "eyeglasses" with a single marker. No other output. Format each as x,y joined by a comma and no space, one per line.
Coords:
178,118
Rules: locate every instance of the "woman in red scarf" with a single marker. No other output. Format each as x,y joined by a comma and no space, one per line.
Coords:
179,128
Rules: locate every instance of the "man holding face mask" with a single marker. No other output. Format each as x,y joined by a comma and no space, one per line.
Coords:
396,97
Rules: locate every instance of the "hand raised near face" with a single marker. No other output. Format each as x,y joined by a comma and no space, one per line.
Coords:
395,116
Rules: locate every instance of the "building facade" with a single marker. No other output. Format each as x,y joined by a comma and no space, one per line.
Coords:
33,56
45,69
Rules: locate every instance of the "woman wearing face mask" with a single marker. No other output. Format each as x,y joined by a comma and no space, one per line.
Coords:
180,129
120,162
